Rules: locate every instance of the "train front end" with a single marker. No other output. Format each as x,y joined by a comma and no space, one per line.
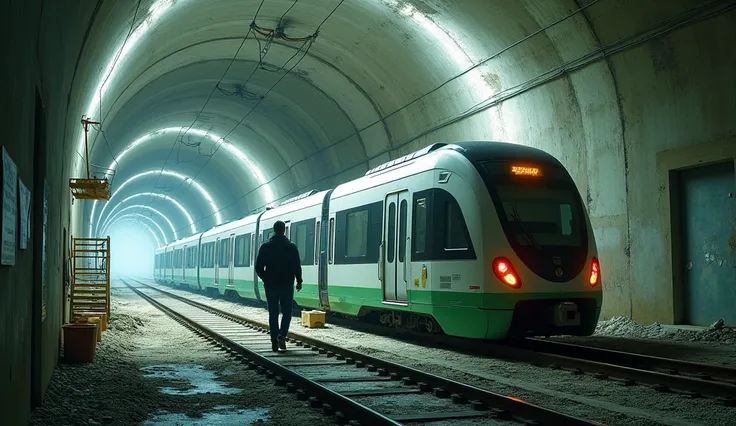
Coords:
542,273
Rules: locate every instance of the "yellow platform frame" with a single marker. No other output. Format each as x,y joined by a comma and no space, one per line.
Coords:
90,291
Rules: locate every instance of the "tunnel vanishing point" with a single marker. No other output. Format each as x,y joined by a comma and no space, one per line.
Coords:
210,110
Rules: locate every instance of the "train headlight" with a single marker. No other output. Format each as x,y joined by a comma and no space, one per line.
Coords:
505,272
595,272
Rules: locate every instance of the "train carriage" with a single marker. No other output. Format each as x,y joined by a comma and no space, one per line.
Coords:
303,218
185,262
473,239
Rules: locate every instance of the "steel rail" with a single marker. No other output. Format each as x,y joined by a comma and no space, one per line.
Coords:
345,405
504,407
635,360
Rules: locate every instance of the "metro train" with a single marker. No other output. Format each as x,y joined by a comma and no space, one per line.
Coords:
481,240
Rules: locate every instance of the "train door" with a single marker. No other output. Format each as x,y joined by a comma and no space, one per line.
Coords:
170,265
184,264
394,247
231,259
217,261
323,236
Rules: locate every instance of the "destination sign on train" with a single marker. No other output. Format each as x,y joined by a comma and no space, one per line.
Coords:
526,171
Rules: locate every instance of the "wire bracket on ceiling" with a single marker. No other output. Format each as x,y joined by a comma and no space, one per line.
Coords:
279,33
89,188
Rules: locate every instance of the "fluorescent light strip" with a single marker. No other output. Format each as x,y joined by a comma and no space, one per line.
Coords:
166,197
248,165
155,13
163,234
130,219
197,186
141,206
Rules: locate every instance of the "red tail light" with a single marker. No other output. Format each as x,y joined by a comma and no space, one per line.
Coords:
595,272
505,272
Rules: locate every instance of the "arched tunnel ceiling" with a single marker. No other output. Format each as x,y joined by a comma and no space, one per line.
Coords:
382,78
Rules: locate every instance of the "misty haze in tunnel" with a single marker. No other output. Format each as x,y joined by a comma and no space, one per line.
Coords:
131,249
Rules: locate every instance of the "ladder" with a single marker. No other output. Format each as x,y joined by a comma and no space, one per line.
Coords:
90,293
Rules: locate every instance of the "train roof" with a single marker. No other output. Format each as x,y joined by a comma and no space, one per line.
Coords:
478,151
230,225
309,199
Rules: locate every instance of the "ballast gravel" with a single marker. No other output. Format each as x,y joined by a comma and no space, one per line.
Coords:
150,370
599,400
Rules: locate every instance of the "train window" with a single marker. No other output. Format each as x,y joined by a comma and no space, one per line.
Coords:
439,231
207,258
391,234
252,247
242,250
303,237
455,238
267,234
300,239
317,232
566,218
420,225
331,244
358,233
402,230
543,217
356,237
224,253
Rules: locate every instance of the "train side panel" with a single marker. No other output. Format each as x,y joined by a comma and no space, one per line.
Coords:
303,222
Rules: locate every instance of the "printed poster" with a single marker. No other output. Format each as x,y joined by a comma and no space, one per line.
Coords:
10,210
25,214
44,289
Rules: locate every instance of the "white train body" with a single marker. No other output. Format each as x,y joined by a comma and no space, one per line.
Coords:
435,239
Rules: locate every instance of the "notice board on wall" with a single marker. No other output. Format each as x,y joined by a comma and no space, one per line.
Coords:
25,214
9,210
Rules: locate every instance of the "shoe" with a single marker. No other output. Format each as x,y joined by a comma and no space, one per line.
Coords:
282,344
274,346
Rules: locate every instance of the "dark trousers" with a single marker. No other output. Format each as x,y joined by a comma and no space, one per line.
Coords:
279,296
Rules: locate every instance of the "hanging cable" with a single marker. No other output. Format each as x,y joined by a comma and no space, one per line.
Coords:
176,140
690,16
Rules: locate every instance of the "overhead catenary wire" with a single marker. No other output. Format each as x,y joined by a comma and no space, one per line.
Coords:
308,44
176,140
695,14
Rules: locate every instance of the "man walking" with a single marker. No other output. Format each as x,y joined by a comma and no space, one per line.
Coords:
277,265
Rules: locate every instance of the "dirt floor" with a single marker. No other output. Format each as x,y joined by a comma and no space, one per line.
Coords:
582,395
150,370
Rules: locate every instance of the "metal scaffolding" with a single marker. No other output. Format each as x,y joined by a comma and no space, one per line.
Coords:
90,276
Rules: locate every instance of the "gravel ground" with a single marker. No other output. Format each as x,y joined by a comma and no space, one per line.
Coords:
581,395
151,370
713,345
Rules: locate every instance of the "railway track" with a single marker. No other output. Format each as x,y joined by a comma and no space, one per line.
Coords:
663,374
693,380
351,387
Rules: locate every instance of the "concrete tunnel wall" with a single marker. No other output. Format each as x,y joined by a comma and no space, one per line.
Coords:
619,123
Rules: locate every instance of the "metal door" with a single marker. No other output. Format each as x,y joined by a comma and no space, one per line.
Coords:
394,247
231,257
708,218
216,259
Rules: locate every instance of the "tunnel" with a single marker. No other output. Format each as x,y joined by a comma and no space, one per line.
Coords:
207,112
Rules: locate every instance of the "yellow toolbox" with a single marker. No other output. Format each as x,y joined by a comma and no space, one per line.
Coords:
313,319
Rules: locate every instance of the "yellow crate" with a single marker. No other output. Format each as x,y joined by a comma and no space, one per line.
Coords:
313,319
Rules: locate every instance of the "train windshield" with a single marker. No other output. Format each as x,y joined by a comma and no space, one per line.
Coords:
538,207
538,216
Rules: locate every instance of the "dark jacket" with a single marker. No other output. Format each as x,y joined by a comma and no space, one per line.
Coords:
278,263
